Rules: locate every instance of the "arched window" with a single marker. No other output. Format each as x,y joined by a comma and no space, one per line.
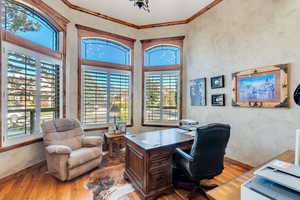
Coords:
162,81
106,78
105,51
162,55
27,23
32,70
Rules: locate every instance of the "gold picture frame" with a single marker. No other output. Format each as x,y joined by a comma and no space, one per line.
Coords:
264,87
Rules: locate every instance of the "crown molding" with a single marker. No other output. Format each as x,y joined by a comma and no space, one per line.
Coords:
100,15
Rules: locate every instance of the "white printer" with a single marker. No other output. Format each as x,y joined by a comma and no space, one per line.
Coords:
277,180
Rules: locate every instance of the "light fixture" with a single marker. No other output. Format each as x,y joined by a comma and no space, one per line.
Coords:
142,4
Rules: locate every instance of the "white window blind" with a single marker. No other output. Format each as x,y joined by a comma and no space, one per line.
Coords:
161,102
101,89
31,90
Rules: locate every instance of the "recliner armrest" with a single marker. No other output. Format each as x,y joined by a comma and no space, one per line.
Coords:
184,155
91,141
58,149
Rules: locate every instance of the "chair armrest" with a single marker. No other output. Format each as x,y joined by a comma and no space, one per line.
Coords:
184,155
91,141
58,149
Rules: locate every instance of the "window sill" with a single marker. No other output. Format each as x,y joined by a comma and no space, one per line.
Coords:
161,125
100,128
15,146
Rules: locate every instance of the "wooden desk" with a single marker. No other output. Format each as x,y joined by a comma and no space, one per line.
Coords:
149,160
231,190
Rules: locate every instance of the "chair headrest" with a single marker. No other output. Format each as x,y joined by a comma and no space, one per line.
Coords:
60,125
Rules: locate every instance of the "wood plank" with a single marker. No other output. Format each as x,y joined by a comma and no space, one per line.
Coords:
35,184
231,190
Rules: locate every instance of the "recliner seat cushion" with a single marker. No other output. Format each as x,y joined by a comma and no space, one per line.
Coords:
83,155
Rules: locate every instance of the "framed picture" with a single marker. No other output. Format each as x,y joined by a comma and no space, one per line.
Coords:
198,92
218,100
217,82
265,87
121,126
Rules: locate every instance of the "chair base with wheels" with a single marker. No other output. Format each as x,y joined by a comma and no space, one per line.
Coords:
181,181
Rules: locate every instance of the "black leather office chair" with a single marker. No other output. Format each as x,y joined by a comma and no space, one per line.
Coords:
205,159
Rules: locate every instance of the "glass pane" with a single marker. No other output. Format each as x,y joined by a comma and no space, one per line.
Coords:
161,101
21,94
49,95
95,97
26,23
106,97
153,97
162,55
119,96
105,51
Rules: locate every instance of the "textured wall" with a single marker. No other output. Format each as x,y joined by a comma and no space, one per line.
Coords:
238,35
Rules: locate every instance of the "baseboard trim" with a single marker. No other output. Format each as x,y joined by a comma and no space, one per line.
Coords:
238,163
22,171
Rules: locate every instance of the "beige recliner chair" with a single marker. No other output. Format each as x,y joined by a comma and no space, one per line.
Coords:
68,152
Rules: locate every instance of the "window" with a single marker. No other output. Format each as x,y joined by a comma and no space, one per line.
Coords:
105,51
31,71
106,78
103,88
162,73
162,55
161,97
31,88
26,23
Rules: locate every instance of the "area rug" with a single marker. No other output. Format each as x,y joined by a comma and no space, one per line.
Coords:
107,183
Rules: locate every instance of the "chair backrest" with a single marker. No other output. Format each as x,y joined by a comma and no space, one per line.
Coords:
208,150
66,132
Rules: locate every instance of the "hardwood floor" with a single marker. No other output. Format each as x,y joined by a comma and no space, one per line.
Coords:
36,184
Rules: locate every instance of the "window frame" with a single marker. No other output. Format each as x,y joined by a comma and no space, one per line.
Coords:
151,43
108,70
85,32
57,21
4,93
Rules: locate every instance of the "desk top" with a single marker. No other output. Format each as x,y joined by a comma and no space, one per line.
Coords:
231,190
156,139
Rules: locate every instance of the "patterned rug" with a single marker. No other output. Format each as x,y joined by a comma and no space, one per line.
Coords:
107,183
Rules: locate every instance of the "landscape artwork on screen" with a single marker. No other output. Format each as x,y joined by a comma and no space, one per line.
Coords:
263,87
258,88
198,92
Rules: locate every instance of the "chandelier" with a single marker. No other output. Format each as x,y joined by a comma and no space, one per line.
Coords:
142,4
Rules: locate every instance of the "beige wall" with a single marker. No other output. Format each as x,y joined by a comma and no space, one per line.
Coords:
238,35
27,156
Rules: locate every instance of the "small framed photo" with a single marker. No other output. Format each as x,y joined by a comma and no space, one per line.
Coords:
217,82
121,126
218,100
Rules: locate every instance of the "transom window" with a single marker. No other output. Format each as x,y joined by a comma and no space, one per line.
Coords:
27,23
105,51
162,55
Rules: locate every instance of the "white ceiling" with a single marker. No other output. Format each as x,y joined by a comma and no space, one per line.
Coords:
160,10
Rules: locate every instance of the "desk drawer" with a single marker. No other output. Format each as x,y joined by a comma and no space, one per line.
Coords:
160,154
159,178
163,161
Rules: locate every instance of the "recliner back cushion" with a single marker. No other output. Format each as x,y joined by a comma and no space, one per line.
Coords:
63,132
71,138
